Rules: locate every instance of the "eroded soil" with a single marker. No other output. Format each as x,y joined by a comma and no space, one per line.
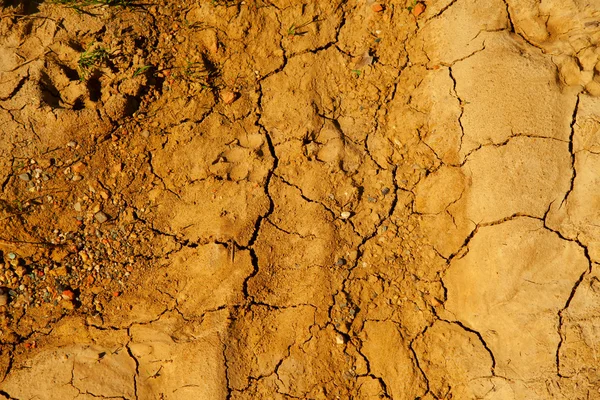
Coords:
292,199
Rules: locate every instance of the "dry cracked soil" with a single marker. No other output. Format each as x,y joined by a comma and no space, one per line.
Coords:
295,199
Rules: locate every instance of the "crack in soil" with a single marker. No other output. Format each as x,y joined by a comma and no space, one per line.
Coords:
563,310
137,364
571,151
443,10
462,108
561,317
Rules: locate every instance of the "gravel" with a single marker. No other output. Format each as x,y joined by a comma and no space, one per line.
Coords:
101,217
25,177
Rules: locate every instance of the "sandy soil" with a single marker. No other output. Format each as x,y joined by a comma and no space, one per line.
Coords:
300,200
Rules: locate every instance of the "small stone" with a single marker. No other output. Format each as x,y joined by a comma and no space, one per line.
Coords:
72,144
101,217
12,256
25,177
77,178
377,7
345,214
78,167
340,262
339,339
20,271
228,96
68,295
77,206
385,191
418,9
145,133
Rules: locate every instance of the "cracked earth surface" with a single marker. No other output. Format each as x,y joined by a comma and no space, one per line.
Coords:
301,200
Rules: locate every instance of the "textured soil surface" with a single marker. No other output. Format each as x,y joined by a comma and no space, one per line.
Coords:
282,199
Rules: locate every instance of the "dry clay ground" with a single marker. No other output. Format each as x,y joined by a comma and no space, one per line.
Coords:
300,200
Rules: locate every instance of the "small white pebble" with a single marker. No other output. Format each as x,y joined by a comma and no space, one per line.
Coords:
345,215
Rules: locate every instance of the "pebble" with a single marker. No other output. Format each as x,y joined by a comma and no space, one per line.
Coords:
72,144
145,133
25,177
228,96
339,339
418,9
77,207
377,7
78,167
20,271
345,214
12,256
68,295
340,262
385,191
101,217
77,178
